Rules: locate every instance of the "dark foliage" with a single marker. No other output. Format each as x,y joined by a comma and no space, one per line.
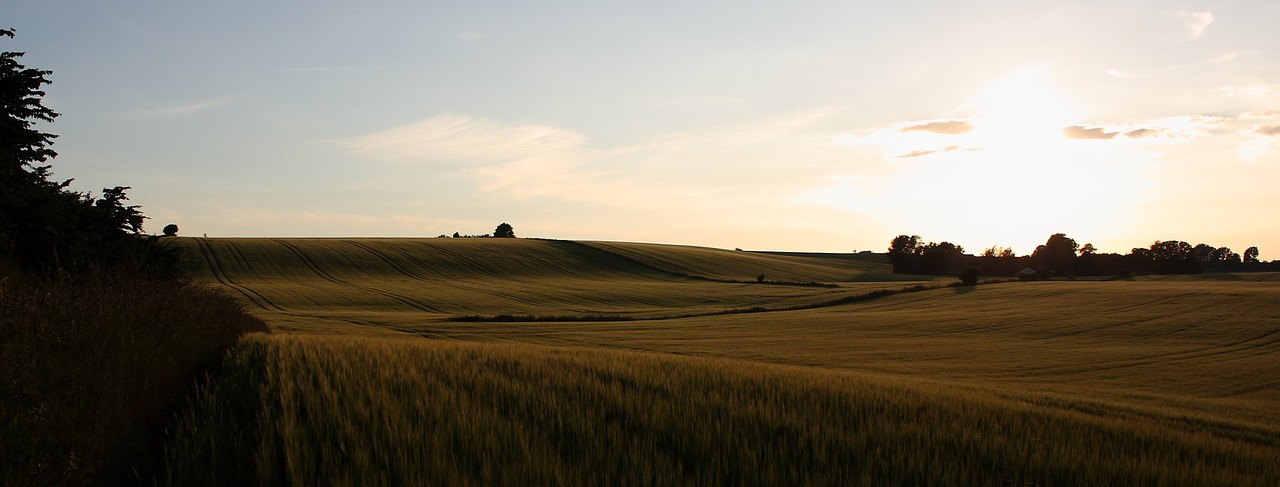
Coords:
909,255
43,224
1173,257
938,258
504,230
970,275
91,365
1251,255
98,339
1058,258
904,252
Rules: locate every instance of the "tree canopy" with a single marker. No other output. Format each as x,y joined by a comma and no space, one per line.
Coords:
504,230
909,255
43,224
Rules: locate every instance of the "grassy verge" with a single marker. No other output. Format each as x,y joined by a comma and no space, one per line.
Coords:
309,410
91,367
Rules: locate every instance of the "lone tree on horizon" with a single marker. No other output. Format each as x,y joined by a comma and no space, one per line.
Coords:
504,230
171,230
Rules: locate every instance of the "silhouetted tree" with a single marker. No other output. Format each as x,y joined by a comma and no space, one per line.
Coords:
1224,255
998,251
1173,257
1251,255
970,275
1057,255
936,258
1109,264
904,251
1088,249
1215,258
504,231
171,230
42,223
1203,253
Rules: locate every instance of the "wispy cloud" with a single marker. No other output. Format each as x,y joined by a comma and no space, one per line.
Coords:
946,127
1268,130
1227,57
461,138
918,153
1252,90
1142,133
1083,133
1195,23
921,153
169,111
674,172
1166,129
1261,141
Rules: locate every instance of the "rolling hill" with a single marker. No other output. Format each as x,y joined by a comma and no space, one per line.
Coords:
391,281
1173,367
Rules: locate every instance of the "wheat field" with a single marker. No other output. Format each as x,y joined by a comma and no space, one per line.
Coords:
619,363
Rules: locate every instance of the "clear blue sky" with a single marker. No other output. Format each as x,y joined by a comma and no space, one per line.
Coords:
824,126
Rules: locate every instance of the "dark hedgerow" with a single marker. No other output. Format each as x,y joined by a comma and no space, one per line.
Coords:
92,366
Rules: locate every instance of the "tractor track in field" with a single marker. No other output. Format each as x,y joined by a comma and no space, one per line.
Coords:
318,271
490,290
404,271
388,261
471,264
220,273
1268,339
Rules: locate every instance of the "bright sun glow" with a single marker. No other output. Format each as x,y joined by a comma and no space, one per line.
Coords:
1005,172
1033,178
1023,111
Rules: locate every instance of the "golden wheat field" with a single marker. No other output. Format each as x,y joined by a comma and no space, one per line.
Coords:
505,361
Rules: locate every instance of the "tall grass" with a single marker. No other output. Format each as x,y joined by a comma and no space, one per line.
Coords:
91,366
310,410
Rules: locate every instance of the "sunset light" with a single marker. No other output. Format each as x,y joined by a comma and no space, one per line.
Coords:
732,127
659,243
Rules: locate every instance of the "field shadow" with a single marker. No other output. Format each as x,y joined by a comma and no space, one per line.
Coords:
958,290
1221,277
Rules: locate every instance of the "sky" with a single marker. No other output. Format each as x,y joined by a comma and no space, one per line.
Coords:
828,126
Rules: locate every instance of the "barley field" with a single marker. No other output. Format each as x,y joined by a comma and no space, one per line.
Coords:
497,361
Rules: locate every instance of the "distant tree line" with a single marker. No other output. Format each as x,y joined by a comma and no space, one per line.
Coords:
1062,256
504,230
